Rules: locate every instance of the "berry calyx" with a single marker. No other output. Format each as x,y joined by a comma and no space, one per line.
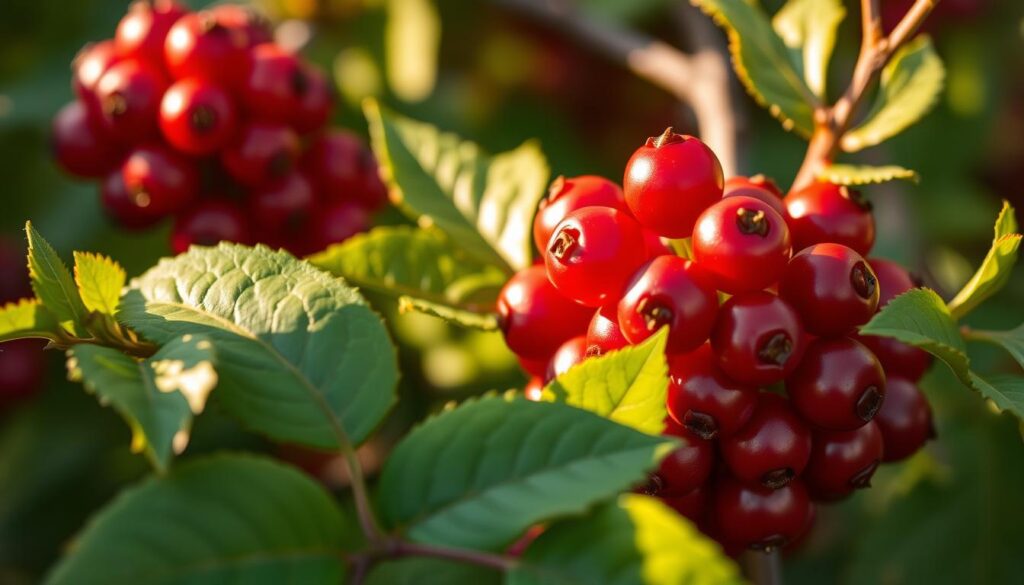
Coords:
703,399
839,384
772,448
535,318
831,287
824,212
566,195
742,243
757,338
843,461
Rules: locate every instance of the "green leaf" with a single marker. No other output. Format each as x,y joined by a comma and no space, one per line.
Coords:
27,318
1004,390
628,386
635,541
100,281
485,204
910,86
467,319
427,571
156,396
995,269
1012,341
762,62
300,356
808,28
412,36
53,284
221,519
423,264
481,474
865,175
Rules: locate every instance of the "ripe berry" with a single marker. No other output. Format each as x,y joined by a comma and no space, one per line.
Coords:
703,399
893,280
831,287
570,353
197,117
89,65
129,95
656,246
897,358
261,152
342,167
142,31
568,195
760,518
122,206
905,419
669,291
603,334
283,207
742,243
593,253
338,222
159,180
824,212
687,467
535,368
535,318
669,181
208,223
315,100
839,384
280,88
757,338
255,25
758,187
842,461
80,145
772,448
200,46
691,505
22,369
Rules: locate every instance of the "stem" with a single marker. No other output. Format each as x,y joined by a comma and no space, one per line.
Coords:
361,498
762,568
410,549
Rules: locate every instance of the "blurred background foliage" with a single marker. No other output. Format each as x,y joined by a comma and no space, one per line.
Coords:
952,514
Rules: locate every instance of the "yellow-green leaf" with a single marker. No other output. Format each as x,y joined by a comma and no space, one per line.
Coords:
53,284
808,27
865,175
100,281
460,317
995,269
27,318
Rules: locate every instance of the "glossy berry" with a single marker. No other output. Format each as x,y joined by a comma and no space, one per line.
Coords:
535,368
757,338
656,246
831,287
283,207
669,181
22,370
197,117
338,222
669,291
839,384
566,195
142,31
535,318
122,206
893,280
604,334
760,518
824,212
208,223
842,461
772,448
691,505
534,389
280,88
742,244
593,253
159,180
261,152
703,399
900,359
905,419
343,168
201,47
687,467
759,187
255,25
78,143
129,95
89,65
570,353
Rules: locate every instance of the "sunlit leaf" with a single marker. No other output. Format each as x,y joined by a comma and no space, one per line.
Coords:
54,285
462,318
27,318
865,175
100,281
808,27
995,269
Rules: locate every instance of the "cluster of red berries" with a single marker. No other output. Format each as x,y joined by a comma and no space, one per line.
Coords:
775,398
202,117
22,362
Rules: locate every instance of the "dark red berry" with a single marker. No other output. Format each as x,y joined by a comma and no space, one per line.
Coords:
159,180
80,145
687,467
824,212
254,24
905,419
284,207
535,318
89,65
129,96
566,195
315,101
22,370
202,47
772,448
760,518
338,222
691,505
669,291
757,338
261,152
280,87
570,353
742,243
122,206
839,384
142,31
893,280
197,117
842,461
593,253
703,399
759,187
669,181
208,223
899,359
603,334
343,168
831,287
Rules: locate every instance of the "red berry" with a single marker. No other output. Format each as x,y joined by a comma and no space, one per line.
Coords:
534,389
535,368
758,187
703,399
603,334
22,370
897,358
197,117
839,384
89,65
691,505
831,287
338,222
570,353
535,318
79,144
122,206
824,212
742,243
261,152
757,338
905,419
283,207
669,291
893,280
280,88
772,448
160,181
208,223
142,31
593,253
568,195
843,461
669,181
656,246
255,25
200,46
343,168
129,95
315,100
687,467
760,518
